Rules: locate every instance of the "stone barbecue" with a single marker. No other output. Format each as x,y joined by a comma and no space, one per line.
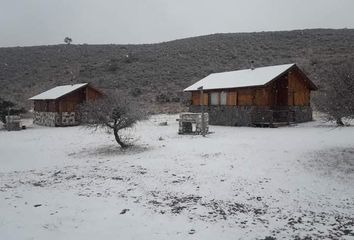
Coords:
191,123
13,123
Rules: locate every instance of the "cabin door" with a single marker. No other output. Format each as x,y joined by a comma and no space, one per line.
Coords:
281,94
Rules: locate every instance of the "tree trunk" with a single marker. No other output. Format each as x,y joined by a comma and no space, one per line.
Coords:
116,136
340,122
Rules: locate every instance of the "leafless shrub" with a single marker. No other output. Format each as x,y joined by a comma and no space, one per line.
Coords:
336,97
113,112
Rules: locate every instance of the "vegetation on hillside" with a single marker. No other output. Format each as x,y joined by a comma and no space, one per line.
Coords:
156,74
336,97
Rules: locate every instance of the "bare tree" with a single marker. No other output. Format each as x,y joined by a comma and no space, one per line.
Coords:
112,112
67,40
336,98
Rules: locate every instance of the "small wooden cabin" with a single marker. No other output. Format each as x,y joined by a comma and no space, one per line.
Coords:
58,106
263,96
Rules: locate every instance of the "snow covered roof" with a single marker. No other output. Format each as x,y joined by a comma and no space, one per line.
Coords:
240,78
58,92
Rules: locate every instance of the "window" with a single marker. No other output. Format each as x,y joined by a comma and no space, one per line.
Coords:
214,98
223,97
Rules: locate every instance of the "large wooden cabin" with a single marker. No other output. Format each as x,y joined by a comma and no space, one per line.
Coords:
257,96
58,106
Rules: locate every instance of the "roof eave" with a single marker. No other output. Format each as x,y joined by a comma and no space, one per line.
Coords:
210,89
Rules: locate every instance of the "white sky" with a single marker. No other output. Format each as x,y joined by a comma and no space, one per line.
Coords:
38,22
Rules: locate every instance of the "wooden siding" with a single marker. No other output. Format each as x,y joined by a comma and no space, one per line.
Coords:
232,98
299,90
67,103
70,102
37,106
281,93
196,98
206,99
237,97
245,97
271,90
92,94
45,106
262,97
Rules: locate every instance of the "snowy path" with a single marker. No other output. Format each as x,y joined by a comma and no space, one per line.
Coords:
237,183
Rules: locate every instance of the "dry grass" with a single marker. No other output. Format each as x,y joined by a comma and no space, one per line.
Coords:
335,162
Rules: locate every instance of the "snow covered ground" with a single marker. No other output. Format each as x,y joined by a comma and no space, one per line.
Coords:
236,183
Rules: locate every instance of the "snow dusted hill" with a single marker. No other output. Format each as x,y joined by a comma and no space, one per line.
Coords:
237,183
154,75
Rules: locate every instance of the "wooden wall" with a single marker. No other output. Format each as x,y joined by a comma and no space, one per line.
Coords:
238,97
45,106
70,102
196,98
67,103
92,94
232,98
263,97
299,91
245,97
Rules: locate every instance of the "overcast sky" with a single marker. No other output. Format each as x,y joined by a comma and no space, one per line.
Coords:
39,22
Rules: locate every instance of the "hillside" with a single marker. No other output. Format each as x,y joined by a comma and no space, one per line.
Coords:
157,73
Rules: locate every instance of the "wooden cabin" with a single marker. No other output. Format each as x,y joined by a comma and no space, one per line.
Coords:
263,96
58,106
